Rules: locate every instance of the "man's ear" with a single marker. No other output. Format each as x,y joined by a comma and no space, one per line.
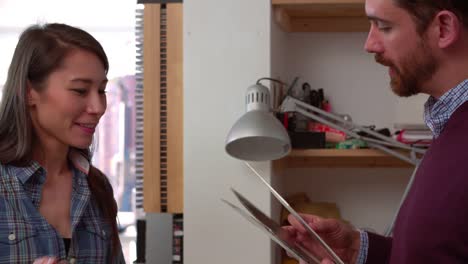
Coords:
449,28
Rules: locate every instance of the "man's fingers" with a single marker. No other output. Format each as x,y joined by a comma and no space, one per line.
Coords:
326,261
288,233
325,226
289,229
310,219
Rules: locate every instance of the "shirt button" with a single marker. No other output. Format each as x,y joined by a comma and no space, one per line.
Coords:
72,260
11,237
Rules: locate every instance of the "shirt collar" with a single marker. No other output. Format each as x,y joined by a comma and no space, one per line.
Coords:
77,159
438,111
25,173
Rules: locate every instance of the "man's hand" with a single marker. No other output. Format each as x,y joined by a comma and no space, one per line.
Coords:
343,239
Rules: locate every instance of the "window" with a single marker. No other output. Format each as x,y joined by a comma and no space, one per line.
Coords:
115,151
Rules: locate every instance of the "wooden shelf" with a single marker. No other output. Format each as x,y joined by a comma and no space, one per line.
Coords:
321,15
339,158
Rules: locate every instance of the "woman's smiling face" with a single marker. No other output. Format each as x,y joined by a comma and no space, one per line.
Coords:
69,107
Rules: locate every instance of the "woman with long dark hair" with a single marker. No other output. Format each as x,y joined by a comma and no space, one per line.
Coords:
53,202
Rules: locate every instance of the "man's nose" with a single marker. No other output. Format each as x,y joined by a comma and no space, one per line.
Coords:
373,44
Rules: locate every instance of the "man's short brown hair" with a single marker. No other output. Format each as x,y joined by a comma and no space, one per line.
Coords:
423,11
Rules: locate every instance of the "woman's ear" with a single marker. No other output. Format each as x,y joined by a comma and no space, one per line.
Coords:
449,28
31,95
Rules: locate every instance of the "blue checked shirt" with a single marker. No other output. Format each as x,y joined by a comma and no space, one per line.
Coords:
25,235
438,111
436,114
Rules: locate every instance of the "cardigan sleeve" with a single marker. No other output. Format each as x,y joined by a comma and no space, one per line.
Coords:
380,248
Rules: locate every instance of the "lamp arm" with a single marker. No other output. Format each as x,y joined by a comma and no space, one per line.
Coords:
327,122
291,104
271,79
294,105
412,159
376,141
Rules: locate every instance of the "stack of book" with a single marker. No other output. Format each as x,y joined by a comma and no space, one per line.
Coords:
413,134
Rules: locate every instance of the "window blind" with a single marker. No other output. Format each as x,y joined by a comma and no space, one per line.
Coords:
139,108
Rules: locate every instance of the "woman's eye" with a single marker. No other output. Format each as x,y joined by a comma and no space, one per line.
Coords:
103,91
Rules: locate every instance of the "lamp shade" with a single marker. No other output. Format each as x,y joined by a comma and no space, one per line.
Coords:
258,135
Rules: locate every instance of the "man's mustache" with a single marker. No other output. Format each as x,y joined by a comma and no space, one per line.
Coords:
380,59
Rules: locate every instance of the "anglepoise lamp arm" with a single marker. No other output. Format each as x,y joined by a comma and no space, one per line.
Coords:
380,141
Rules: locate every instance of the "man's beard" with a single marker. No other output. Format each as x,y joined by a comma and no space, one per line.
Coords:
416,68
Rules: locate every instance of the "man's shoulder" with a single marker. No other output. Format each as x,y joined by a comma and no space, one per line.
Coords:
450,149
460,113
456,127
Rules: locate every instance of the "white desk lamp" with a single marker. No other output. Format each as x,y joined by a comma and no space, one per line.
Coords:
258,135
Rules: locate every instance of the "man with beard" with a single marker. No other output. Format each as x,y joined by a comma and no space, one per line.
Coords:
424,44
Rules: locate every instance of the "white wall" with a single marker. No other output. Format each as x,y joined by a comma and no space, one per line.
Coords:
353,81
226,48
337,63
410,110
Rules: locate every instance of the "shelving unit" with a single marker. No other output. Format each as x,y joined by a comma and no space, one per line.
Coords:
339,158
321,15
162,132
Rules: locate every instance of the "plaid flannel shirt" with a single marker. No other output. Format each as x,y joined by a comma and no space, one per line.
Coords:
25,235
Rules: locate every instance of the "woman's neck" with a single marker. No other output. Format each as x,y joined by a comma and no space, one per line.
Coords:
52,157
